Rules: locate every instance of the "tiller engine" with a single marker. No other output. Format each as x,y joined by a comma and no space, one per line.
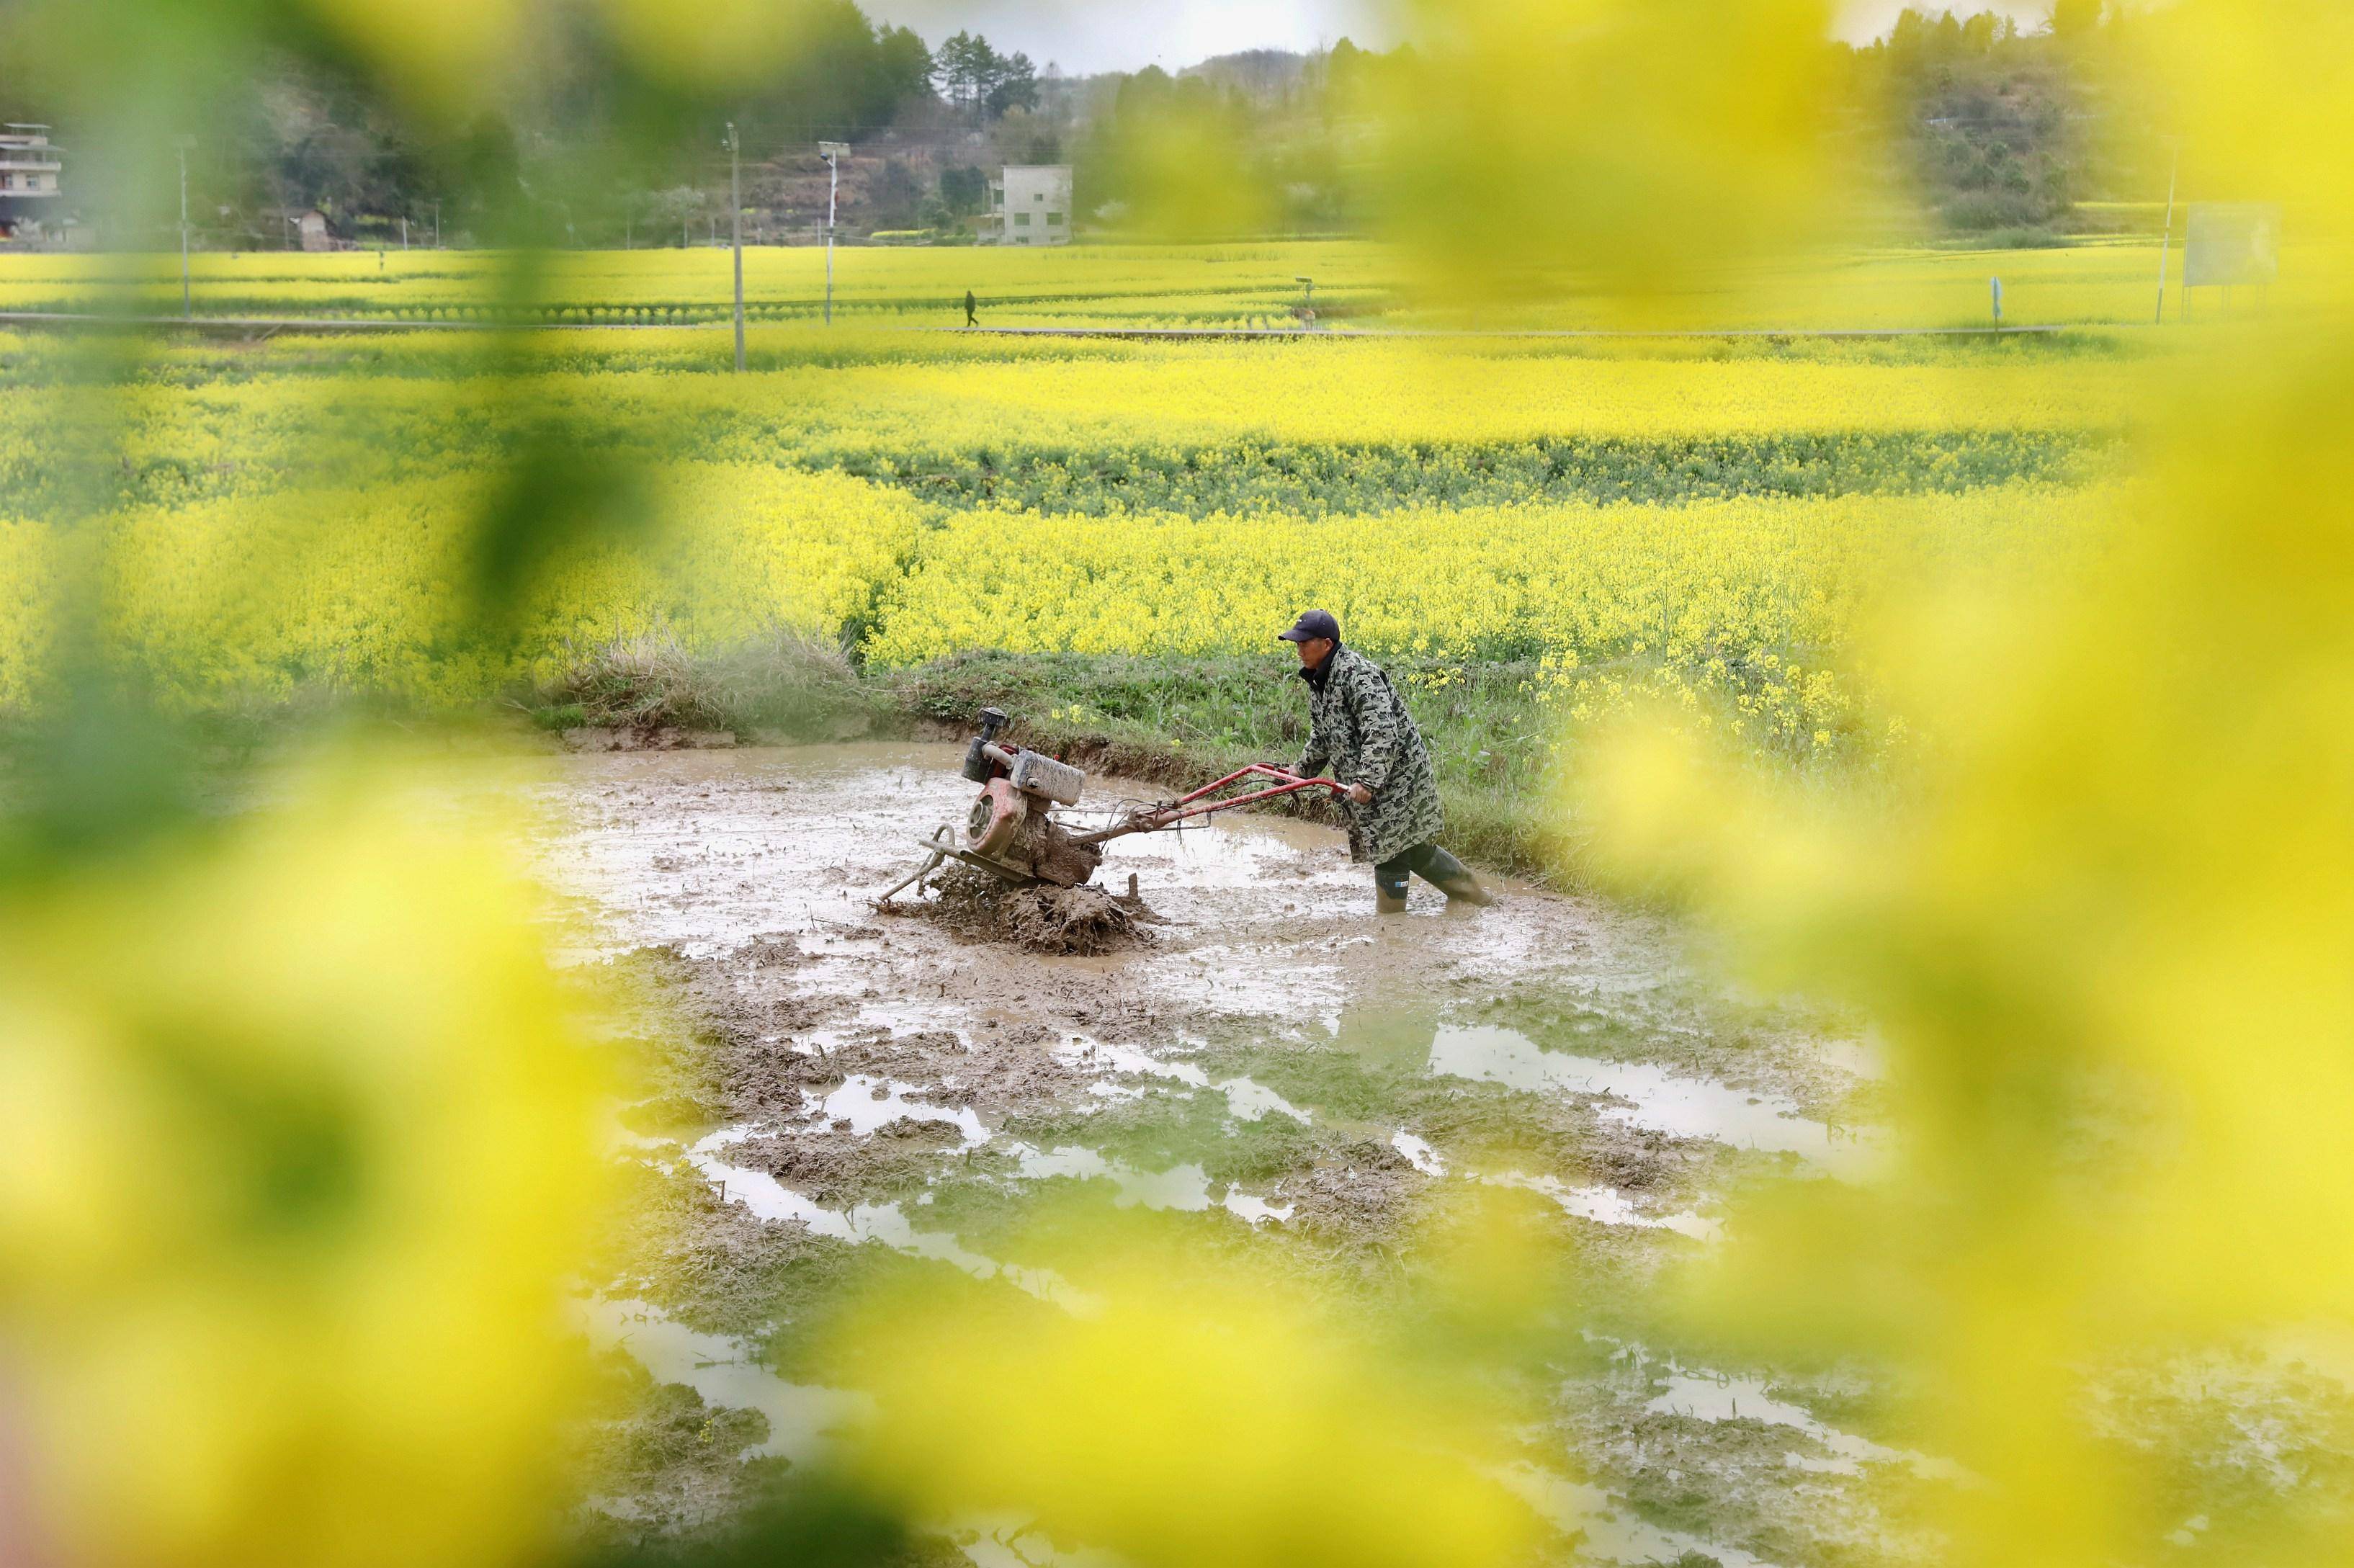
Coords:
1012,832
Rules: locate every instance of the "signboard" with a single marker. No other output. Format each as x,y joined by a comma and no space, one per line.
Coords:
2231,242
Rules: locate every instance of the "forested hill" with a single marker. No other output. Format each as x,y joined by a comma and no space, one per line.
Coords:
1994,127
1973,125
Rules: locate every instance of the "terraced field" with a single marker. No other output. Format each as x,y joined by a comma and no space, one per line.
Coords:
1698,519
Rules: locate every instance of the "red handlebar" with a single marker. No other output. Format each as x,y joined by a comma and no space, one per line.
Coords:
1153,819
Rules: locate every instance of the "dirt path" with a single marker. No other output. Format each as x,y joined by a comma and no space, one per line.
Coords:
838,1092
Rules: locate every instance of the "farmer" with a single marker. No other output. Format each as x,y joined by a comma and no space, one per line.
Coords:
1359,726
971,309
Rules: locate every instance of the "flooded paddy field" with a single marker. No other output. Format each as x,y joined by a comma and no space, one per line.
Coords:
839,1103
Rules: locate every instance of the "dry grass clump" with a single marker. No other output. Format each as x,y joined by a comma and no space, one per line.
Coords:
785,685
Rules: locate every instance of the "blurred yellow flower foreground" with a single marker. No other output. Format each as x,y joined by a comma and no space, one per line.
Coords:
1187,1409
296,1148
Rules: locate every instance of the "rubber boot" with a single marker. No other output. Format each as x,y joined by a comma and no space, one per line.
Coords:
1453,878
1389,898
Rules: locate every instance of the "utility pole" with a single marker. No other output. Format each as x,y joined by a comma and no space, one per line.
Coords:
186,307
736,233
404,232
2166,234
832,153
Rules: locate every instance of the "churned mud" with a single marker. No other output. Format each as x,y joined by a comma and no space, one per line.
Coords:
839,1099
1079,921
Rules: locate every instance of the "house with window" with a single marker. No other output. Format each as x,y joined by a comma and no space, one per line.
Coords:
1029,203
30,166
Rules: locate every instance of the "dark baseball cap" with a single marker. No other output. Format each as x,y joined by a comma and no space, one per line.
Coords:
1314,624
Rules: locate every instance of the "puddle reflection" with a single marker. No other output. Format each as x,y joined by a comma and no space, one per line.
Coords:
1662,1100
802,1420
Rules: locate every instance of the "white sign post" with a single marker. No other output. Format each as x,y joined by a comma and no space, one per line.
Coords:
833,153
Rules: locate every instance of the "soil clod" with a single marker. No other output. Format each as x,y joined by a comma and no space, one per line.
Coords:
1069,920
1082,920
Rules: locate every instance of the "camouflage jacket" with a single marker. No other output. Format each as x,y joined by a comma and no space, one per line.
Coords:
1360,727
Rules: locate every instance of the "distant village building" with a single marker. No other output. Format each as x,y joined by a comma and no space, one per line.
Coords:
30,199
300,229
1029,203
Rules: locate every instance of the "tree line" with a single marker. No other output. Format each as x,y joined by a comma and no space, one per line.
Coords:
1991,127
585,151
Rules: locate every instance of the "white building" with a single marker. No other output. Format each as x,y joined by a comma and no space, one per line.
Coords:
29,168
1031,205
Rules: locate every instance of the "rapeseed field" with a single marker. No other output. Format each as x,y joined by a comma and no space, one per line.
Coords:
1701,520
1358,285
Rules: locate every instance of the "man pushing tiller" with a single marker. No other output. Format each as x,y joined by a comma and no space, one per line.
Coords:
1359,726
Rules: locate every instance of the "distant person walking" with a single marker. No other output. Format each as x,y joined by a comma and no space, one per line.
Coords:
971,309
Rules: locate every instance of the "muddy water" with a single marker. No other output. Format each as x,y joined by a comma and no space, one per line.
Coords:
1610,1530
860,1077
1654,1096
801,1421
1265,917
883,1223
705,850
